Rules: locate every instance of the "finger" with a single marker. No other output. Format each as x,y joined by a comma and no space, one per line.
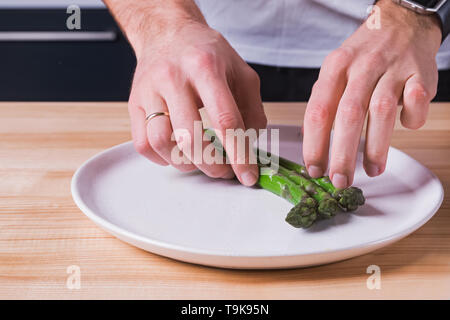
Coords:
187,125
321,110
349,122
380,125
416,100
248,99
225,116
159,133
139,134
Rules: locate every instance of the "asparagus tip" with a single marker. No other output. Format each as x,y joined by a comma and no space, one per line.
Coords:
351,198
328,208
303,214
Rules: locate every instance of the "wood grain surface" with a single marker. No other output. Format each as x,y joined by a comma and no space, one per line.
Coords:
42,232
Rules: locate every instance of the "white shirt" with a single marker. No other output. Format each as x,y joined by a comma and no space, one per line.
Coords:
291,33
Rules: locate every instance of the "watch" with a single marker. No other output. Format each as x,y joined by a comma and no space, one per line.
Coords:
439,7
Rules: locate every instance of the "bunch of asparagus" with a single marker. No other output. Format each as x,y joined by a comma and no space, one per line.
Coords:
313,198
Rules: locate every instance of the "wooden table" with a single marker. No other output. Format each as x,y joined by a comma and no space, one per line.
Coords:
42,232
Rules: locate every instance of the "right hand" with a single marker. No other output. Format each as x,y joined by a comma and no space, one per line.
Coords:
180,71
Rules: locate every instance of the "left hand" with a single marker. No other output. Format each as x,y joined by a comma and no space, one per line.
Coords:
372,72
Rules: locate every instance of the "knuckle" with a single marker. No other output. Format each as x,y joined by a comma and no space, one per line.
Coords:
252,76
418,92
164,71
227,120
159,141
317,86
202,61
141,146
339,58
317,114
384,108
351,113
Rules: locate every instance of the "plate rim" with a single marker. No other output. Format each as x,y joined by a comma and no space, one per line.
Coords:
117,230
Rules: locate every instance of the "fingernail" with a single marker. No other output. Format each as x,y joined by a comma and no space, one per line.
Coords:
340,181
372,170
229,175
248,178
315,171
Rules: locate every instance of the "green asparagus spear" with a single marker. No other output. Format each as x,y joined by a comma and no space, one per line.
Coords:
349,198
328,206
304,213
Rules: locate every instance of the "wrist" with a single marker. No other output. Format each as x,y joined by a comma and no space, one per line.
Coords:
411,23
155,35
153,23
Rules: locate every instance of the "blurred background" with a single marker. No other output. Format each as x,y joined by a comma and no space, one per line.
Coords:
42,60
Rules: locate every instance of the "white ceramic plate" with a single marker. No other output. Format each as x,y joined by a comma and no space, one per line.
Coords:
193,218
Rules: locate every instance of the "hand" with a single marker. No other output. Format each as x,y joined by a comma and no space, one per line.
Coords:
182,67
372,72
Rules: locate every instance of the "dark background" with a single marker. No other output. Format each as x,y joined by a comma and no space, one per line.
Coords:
103,71
63,71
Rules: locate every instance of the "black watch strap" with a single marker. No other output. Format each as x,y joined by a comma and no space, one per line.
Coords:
444,15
